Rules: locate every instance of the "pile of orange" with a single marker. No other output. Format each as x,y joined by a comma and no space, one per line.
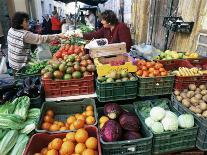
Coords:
73,122
75,143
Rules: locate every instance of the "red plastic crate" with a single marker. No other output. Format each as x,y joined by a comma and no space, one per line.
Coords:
58,88
41,140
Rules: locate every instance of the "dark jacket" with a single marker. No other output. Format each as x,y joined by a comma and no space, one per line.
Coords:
47,26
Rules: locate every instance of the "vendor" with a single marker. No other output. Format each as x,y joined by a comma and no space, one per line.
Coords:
19,40
113,30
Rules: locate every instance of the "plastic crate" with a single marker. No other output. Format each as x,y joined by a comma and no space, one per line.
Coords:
63,110
201,142
73,87
41,140
151,86
116,90
170,141
188,152
141,146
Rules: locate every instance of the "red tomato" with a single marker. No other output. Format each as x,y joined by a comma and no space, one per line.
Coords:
153,63
148,64
156,72
145,74
58,54
151,75
77,50
162,70
164,73
70,52
64,54
144,68
151,70
158,66
139,72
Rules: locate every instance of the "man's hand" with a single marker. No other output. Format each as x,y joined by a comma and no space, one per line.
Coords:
61,35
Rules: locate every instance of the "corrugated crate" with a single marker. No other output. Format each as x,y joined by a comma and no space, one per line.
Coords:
41,140
169,141
63,110
141,146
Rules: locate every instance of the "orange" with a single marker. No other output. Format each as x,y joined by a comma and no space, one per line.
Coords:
46,126
80,147
82,117
70,136
89,113
90,120
54,127
57,143
91,143
50,113
103,119
88,152
81,136
48,119
55,122
65,139
49,146
71,119
61,124
77,115
72,127
63,128
67,148
67,125
89,108
52,152
84,113
78,124
44,151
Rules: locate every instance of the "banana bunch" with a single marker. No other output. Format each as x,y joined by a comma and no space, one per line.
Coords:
96,62
183,71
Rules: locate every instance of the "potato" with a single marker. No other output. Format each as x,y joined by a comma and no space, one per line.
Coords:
179,98
195,110
202,87
185,90
177,92
190,94
204,114
203,106
186,103
198,89
204,98
192,87
198,96
204,92
199,115
194,101
183,95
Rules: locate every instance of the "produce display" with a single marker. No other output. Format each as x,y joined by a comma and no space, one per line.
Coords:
150,69
117,124
184,71
73,122
116,77
171,55
54,46
72,67
194,98
86,28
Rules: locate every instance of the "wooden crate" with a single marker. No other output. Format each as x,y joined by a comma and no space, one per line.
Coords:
108,50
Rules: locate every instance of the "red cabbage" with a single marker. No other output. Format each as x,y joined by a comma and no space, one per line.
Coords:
130,135
111,131
112,110
129,121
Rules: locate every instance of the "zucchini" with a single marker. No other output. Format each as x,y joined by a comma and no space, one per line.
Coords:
20,145
8,142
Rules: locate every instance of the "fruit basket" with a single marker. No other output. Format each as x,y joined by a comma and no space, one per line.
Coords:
41,140
113,91
168,141
150,86
72,87
140,146
104,65
201,142
62,110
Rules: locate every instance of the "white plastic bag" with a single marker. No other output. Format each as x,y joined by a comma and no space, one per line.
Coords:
3,67
43,52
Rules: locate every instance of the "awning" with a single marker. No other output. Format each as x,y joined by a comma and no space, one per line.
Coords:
89,2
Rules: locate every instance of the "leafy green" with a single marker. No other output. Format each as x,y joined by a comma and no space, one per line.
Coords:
86,28
163,103
7,108
54,49
34,67
11,121
33,113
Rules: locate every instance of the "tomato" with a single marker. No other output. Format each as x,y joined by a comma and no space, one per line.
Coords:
148,64
162,70
58,54
141,62
151,70
153,63
77,50
164,73
151,75
70,52
145,74
72,47
158,66
139,72
64,54
156,72
144,68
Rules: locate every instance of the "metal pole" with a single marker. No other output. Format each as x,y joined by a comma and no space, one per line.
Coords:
75,14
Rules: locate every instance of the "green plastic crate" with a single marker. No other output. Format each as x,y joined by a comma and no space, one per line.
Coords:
151,86
63,110
141,146
115,91
201,142
170,141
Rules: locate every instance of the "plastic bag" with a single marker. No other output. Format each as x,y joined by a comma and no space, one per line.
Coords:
43,52
3,67
96,43
146,51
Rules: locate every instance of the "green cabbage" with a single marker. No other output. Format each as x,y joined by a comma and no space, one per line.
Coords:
149,122
170,122
157,127
157,113
186,121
